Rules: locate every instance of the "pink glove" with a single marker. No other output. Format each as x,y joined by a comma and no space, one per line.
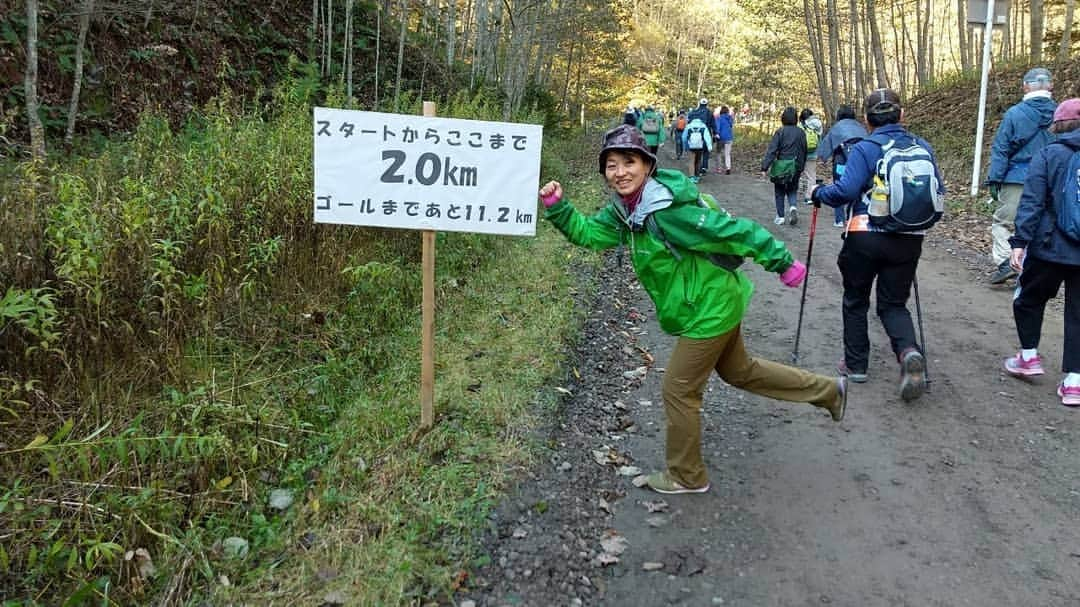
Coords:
551,199
794,275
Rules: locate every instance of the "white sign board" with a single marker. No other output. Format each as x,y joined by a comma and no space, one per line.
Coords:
976,12
423,173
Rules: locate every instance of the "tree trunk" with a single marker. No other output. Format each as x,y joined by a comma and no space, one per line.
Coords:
1036,30
80,45
400,54
875,43
834,64
856,52
451,33
962,30
378,46
1066,32
37,132
816,51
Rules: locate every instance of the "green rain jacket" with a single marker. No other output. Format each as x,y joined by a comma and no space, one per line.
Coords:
693,296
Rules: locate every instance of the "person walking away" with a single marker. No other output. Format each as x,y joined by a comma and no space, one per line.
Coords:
651,124
702,113
697,141
834,146
1022,133
671,235
1046,252
725,134
811,125
630,116
677,133
783,163
893,181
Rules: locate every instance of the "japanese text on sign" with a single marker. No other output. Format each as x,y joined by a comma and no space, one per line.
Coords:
416,172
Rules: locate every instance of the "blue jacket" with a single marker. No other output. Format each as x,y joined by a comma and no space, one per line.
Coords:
858,177
703,114
725,128
1022,133
1044,191
839,133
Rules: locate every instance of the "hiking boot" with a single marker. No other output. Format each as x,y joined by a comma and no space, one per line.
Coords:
695,179
779,221
1004,272
661,482
727,171
807,201
1018,367
842,368
1070,395
792,216
912,374
837,408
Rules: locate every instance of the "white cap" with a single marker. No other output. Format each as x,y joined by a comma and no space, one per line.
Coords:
703,101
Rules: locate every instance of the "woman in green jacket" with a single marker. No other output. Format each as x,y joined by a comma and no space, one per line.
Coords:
685,255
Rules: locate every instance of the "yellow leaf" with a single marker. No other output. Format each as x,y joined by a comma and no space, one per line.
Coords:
223,483
38,441
315,505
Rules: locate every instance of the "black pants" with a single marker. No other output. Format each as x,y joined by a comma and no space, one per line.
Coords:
1040,281
891,259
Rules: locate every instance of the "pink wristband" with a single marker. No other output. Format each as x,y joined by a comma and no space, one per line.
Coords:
550,199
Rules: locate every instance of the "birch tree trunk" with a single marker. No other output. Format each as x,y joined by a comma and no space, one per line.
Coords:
814,38
37,132
76,87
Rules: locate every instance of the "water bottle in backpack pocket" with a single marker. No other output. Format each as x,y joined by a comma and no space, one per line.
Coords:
905,195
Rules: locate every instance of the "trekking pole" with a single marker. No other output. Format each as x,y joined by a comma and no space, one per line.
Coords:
806,281
922,336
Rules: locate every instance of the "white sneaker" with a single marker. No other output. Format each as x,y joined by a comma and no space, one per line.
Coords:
793,216
779,221
838,224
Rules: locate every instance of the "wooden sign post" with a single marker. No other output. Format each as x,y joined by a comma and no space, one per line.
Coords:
429,174
427,343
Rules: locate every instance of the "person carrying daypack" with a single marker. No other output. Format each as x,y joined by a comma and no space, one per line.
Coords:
698,141
677,133
1046,252
651,125
1022,133
811,126
702,113
783,163
698,301
836,145
893,183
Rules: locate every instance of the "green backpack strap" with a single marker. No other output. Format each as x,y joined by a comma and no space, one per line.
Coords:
728,262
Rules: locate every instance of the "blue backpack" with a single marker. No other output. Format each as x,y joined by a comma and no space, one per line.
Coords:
1068,216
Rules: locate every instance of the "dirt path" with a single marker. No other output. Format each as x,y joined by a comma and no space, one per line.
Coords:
969,496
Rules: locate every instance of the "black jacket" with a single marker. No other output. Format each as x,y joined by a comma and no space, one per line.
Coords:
787,142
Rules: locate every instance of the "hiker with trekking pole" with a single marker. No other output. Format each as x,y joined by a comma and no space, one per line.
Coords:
895,191
686,252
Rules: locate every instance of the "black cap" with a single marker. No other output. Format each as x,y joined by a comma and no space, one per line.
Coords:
881,101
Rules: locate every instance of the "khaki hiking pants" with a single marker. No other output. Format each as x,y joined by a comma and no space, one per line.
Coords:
1005,220
688,370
